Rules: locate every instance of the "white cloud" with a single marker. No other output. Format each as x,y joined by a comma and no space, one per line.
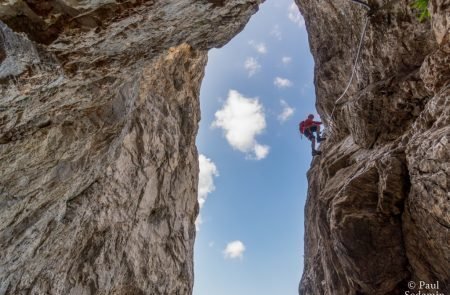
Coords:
234,250
242,119
286,113
261,151
282,82
286,60
259,47
276,32
295,16
252,66
208,171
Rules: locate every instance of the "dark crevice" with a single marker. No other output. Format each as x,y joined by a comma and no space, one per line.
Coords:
2,48
217,2
37,31
44,21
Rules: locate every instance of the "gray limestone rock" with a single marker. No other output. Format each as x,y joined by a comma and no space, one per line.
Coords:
98,164
377,213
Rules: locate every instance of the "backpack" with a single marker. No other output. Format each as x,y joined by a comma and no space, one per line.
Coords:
301,127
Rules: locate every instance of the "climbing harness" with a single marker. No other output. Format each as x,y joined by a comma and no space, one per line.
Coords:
355,63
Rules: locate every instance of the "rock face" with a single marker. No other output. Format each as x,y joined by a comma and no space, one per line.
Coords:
99,111
378,210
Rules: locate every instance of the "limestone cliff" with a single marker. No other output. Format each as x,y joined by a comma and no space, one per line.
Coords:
377,213
99,111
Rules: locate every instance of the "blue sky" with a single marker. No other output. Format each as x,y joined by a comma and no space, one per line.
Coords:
253,162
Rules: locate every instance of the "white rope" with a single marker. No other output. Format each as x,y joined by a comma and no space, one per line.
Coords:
362,3
355,63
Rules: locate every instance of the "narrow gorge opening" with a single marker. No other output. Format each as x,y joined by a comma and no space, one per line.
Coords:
99,163
253,161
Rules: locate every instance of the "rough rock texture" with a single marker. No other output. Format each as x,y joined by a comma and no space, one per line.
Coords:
98,164
378,208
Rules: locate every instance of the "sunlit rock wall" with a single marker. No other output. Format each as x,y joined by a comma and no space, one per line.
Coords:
99,110
378,207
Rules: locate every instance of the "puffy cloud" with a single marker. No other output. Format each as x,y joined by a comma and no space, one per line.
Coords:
295,16
261,151
286,113
234,250
208,171
252,66
286,60
259,47
276,32
282,82
242,119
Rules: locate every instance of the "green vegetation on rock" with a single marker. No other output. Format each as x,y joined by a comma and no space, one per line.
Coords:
422,7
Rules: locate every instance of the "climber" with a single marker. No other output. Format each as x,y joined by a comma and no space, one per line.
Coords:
308,127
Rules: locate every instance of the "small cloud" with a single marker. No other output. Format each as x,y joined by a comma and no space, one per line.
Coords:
242,119
276,32
286,113
261,151
211,244
286,60
234,250
282,82
259,47
252,66
295,16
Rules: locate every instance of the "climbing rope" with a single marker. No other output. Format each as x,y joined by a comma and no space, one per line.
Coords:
355,63
362,3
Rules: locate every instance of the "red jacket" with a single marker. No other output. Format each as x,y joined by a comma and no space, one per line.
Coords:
306,124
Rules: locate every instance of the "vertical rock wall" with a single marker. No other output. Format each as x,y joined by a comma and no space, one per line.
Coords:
378,207
98,164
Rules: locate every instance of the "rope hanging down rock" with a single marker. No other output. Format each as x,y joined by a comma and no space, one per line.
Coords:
356,59
355,63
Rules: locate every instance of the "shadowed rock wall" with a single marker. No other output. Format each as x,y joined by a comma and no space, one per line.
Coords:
98,164
378,210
